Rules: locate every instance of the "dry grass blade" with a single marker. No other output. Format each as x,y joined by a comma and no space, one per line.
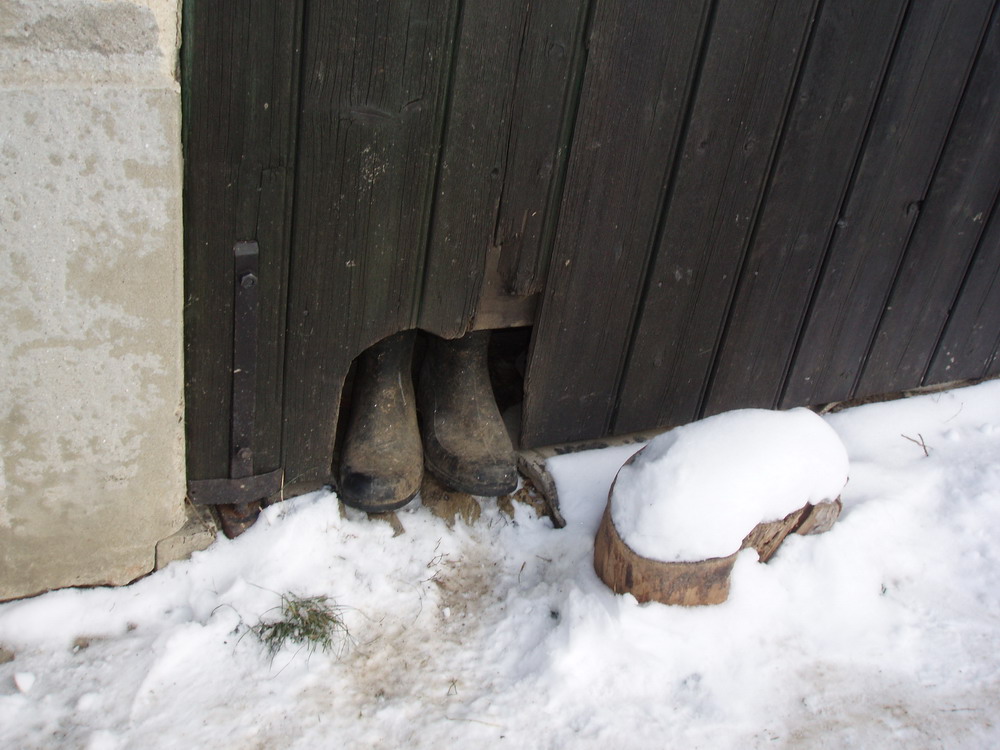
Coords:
314,622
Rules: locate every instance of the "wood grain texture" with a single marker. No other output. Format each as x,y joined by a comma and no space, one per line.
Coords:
970,344
374,82
750,71
701,582
948,231
719,203
845,63
641,66
503,155
938,45
239,156
688,584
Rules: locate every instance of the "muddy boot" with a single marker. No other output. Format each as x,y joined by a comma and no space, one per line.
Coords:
381,464
466,445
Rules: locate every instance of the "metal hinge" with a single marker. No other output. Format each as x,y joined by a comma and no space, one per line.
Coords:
243,486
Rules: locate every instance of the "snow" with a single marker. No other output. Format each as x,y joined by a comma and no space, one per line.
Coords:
695,492
24,681
881,632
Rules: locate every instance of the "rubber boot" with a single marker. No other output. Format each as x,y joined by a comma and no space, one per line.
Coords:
466,445
381,463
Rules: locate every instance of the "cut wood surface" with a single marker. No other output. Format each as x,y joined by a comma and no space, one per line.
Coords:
702,581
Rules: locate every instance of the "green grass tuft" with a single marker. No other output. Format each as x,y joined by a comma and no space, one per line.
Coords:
314,622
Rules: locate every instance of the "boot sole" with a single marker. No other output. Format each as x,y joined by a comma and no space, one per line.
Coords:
482,488
365,492
375,507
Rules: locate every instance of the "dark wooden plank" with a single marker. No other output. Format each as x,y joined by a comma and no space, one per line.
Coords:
750,72
970,344
550,69
374,81
239,151
846,61
938,44
516,65
948,231
274,237
642,58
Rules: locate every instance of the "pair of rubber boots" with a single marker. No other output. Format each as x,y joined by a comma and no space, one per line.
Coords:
459,434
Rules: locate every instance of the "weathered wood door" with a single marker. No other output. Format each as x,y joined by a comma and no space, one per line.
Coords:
398,164
771,203
698,204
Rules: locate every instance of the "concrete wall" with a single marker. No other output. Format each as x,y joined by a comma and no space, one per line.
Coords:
91,434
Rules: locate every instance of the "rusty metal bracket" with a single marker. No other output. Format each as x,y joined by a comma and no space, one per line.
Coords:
242,486
234,491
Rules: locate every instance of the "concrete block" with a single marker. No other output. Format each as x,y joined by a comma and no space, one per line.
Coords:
91,412
59,43
197,533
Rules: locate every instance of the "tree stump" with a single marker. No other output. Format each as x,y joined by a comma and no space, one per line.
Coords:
704,581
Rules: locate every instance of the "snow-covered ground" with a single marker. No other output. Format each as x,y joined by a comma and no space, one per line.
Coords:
882,632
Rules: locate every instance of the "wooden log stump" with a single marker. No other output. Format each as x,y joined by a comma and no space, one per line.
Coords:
704,581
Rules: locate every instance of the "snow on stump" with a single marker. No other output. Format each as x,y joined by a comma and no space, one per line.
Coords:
683,507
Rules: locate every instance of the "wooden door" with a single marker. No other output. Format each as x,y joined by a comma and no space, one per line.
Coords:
699,205
771,203
399,164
